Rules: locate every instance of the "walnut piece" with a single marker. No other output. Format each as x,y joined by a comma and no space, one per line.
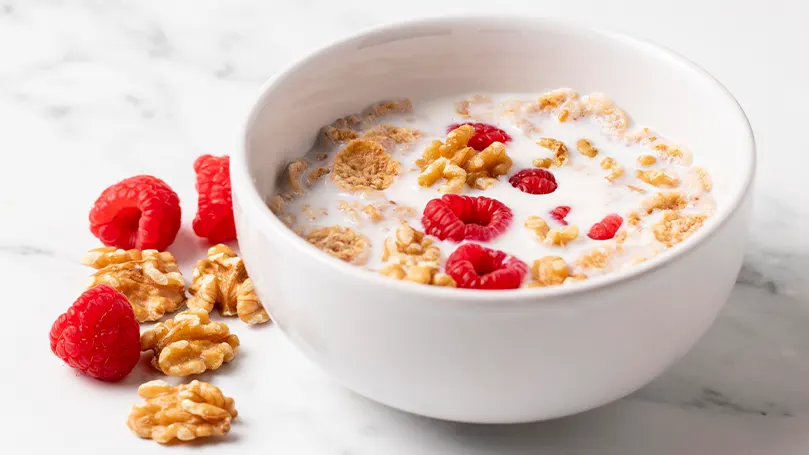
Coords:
342,243
665,201
364,165
675,227
562,236
189,344
552,271
457,140
674,154
538,226
586,148
657,178
484,167
184,412
151,280
413,257
459,164
221,281
559,149
647,160
616,170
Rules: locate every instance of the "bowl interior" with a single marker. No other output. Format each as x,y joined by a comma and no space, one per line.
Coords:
452,56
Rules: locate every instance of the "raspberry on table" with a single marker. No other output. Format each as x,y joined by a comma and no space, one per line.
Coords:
606,228
475,267
534,181
140,212
484,136
98,334
457,218
214,219
559,214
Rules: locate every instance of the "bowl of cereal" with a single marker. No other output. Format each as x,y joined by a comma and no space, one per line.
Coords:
493,220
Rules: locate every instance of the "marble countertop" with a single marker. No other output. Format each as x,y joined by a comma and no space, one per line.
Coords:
94,91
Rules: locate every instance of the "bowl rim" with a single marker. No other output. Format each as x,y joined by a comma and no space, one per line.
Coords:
250,199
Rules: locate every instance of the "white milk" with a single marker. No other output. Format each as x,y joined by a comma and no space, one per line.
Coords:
581,184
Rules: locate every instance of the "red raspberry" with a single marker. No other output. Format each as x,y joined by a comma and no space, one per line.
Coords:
559,214
534,181
459,218
606,228
475,267
98,334
484,135
140,212
214,219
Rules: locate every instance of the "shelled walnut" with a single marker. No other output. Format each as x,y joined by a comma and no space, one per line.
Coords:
151,280
412,256
189,344
184,412
221,280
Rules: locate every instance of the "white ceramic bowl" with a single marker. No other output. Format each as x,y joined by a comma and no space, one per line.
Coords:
493,356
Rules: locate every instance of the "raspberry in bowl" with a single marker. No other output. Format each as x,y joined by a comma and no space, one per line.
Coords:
493,247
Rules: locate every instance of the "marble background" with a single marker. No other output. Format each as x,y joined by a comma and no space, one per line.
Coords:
94,91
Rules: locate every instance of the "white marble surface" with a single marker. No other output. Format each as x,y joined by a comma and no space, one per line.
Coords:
93,91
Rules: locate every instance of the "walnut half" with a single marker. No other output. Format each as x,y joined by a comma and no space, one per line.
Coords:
189,344
184,412
151,280
221,280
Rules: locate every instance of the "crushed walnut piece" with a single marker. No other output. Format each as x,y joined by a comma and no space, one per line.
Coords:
616,170
413,257
657,178
221,281
442,168
556,236
538,226
602,108
562,236
586,148
559,149
543,163
646,160
364,165
675,227
633,219
643,136
341,242
189,344
552,271
484,168
672,200
636,189
460,164
453,148
149,279
564,101
674,153
184,412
